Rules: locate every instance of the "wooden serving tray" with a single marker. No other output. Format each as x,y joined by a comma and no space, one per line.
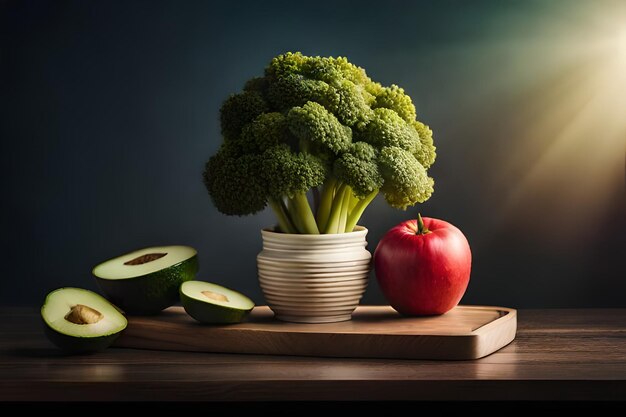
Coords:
466,332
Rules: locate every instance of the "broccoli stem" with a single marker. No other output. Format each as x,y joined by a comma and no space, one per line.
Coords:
358,209
281,214
353,202
326,203
303,215
292,211
345,206
335,211
316,199
286,211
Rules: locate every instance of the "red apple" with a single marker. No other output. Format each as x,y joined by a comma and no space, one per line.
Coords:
423,268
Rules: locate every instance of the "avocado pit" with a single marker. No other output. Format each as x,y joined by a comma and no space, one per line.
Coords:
82,314
215,296
144,259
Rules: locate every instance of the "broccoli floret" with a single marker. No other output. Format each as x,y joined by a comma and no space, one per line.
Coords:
235,184
286,64
395,98
295,90
350,71
318,127
363,150
240,109
313,123
374,89
332,82
258,84
388,129
405,179
288,173
264,132
426,153
360,172
349,104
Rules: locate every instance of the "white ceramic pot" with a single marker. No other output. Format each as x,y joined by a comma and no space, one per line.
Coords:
314,278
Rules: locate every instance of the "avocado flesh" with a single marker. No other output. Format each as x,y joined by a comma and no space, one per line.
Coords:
211,303
146,281
81,321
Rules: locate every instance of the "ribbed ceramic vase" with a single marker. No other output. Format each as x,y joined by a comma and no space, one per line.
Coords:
314,278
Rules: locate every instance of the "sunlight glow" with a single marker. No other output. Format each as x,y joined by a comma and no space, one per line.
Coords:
621,46
567,161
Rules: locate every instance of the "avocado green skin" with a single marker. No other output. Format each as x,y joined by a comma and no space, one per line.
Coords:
211,313
79,345
149,294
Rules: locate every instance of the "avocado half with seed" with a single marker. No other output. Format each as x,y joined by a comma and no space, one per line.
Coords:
212,303
81,321
147,280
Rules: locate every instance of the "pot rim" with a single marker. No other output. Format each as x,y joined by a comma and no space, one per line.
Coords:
357,232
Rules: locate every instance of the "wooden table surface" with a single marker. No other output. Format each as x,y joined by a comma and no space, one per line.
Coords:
558,355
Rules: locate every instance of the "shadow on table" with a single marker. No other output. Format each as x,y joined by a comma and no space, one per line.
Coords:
37,352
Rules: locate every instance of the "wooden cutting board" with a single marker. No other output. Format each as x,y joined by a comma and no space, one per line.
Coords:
466,332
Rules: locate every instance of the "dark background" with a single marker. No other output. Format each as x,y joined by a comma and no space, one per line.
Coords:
110,109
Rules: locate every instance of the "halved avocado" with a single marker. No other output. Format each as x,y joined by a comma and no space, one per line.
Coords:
212,303
147,280
81,321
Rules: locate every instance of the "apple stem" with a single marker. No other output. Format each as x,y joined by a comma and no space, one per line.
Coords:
421,230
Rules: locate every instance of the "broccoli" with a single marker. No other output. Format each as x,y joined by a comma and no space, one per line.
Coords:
317,140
